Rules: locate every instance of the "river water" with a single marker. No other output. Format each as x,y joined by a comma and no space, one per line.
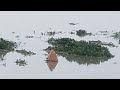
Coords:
23,23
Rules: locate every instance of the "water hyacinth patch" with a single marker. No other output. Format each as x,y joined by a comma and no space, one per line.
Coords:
79,48
7,45
25,53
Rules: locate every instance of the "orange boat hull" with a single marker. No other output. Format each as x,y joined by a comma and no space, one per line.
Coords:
52,56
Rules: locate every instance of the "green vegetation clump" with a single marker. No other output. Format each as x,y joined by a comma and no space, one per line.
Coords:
116,35
7,45
84,60
21,62
78,48
82,33
25,53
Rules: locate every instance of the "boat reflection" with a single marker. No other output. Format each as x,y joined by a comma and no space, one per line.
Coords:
51,64
52,60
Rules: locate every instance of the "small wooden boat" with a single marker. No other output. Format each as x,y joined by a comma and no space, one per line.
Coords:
52,56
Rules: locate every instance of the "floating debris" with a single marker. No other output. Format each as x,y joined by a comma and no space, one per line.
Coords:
25,53
21,62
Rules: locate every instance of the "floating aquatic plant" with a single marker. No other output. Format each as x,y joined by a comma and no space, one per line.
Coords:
116,35
82,33
79,48
81,52
21,62
7,45
25,53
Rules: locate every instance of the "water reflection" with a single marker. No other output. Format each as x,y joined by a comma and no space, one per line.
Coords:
85,60
51,64
3,54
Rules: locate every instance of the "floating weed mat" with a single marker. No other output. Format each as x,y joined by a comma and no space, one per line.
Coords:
82,33
7,45
79,48
25,53
21,62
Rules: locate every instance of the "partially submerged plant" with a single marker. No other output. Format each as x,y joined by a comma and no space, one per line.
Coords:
25,53
81,52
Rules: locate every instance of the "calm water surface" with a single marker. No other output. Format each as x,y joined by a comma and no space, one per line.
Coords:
25,23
